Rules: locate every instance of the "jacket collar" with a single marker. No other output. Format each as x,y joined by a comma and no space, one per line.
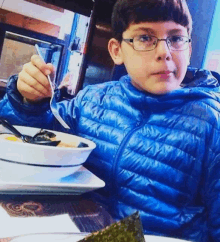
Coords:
198,84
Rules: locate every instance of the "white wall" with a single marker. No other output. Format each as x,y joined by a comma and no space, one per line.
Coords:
1,1
64,20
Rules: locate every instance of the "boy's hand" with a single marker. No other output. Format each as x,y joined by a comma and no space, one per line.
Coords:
32,80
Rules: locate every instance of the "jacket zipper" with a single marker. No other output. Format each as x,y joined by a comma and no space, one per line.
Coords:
119,153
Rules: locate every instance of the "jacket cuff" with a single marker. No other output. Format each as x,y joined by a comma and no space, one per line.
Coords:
17,100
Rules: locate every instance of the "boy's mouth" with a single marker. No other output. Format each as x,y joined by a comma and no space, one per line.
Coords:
164,74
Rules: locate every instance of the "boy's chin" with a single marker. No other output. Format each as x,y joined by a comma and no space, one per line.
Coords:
157,88
161,90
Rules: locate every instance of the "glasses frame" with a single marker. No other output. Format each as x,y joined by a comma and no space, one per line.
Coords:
131,42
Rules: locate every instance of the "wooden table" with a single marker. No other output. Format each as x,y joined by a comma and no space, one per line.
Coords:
85,212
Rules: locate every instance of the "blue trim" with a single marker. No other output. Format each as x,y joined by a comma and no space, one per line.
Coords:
72,36
30,164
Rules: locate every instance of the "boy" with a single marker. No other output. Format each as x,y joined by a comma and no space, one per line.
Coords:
157,129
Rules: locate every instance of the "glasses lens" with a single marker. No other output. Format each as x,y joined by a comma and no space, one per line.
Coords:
178,42
144,42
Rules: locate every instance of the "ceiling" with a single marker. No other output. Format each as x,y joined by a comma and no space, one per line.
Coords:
103,7
80,6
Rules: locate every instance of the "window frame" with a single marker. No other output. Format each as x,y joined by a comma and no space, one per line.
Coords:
38,36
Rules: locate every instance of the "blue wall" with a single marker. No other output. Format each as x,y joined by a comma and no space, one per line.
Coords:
213,43
202,13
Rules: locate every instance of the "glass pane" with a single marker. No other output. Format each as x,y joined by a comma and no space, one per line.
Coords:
14,56
17,50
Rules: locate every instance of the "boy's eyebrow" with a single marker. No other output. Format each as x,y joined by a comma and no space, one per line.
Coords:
151,31
174,31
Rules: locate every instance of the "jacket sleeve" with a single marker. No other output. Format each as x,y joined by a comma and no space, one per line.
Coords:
38,114
212,184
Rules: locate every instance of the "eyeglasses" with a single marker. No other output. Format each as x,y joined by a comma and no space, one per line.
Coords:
148,43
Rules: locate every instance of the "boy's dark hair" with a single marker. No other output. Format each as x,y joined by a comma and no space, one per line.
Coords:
126,12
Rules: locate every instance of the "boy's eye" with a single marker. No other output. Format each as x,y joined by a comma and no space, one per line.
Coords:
145,38
176,39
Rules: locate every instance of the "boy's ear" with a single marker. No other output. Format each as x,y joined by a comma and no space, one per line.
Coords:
114,48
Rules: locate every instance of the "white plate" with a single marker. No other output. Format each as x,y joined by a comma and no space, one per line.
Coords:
42,154
76,237
79,182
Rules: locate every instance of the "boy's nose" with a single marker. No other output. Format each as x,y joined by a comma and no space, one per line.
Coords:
163,51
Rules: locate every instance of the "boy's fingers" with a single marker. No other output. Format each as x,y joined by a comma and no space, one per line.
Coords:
51,67
29,92
35,73
27,80
40,64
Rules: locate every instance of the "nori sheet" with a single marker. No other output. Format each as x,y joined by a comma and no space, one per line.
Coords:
128,229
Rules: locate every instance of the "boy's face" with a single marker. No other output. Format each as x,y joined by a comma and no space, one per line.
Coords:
157,71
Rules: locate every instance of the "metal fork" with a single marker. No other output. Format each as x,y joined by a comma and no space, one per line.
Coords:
53,103
53,107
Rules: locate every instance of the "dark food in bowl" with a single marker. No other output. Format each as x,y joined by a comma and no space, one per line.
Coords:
44,135
26,138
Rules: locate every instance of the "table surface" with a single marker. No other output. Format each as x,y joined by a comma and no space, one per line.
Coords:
85,212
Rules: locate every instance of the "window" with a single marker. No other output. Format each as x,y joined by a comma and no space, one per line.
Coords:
18,49
25,23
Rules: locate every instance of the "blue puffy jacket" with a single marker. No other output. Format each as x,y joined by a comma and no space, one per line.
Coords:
159,154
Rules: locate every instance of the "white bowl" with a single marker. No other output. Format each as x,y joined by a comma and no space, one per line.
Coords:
33,173
42,154
73,237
